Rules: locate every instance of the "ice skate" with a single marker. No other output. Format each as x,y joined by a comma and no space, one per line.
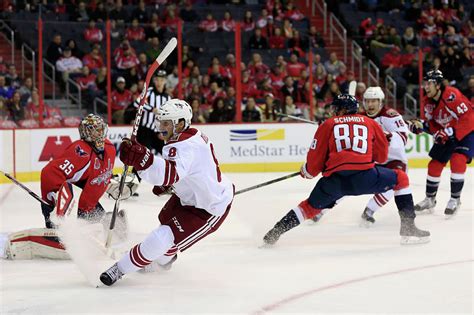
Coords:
271,237
410,234
111,275
452,207
367,218
427,205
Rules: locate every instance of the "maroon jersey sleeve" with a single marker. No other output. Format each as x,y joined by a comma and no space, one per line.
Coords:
318,151
70,166
460,108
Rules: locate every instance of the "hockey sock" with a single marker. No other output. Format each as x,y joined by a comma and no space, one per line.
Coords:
288,222
157,243
458,168
404,201
435,168
379,200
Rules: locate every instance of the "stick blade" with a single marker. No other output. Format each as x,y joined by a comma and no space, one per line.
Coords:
173,42
352,88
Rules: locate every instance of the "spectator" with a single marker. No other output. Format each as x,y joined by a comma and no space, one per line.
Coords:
269,28
4,114
229,68
75,51
263,19
269,109
205,88
154,51
87,80
188,14
293,13
392,59
277,41
25,90
55,49
101,80
135,32
140,14
409,55
125,57
214,93
231,96
92,33
32,110
367,28
298,44
100,14
68,65
393,38
257,41
221,112
289,108
258,70
315,38
172,80
294,67
142,66
469,92
81,14
171,20
115,32
289,88
451,66
198,112
6,92
287,29
209,24
319,77
429,29
12,78
118,13
17,111
333,65
251,113
216,75
196,94
121,99
3,66
410,74
59,7
249,87
93,60
154,30
451,38
228,23
409,37
248,23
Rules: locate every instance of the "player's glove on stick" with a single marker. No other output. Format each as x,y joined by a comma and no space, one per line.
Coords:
444,135
415,126
160,190
134,154
304,173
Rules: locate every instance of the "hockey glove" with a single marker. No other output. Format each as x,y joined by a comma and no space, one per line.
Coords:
444,135
162,190
304,173
47,209
388,135
416,126
134,154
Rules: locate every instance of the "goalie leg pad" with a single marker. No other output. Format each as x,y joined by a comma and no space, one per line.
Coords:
35,243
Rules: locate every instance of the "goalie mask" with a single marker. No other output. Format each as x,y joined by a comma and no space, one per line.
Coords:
373,100
170,114
93,130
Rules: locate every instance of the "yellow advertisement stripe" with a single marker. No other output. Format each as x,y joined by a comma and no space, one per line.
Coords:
270,134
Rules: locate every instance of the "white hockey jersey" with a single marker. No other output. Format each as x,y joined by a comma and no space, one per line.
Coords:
391,121
190,166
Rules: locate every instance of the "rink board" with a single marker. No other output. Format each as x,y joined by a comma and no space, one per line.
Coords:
239,147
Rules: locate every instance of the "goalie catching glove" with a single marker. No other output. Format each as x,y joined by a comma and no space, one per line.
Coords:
129,188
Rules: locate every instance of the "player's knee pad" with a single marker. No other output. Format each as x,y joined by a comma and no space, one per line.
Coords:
402,180
435,168
458,163
158,242
308,210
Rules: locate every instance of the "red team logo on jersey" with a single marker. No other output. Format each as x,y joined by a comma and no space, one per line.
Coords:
54,147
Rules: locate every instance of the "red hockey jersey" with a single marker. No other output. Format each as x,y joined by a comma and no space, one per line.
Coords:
82,166
453,109
349,142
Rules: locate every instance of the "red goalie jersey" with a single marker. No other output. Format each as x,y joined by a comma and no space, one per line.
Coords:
82,166
349,142
452,110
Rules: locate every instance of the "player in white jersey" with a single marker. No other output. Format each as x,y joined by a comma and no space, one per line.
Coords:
397,131
202,195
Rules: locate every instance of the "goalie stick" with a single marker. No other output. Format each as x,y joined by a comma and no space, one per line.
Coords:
159,61
29,191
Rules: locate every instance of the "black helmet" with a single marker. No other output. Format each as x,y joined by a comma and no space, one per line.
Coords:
435,76
347,102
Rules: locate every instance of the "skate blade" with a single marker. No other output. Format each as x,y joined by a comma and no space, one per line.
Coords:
414,240
425,211
266,246
450,216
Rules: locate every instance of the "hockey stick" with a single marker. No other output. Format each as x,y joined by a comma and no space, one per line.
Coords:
29,191
159,60
276,180
352,88
297,118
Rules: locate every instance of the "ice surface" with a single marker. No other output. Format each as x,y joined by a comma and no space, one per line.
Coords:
332,266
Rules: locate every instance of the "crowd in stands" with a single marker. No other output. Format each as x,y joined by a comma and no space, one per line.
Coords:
443,29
